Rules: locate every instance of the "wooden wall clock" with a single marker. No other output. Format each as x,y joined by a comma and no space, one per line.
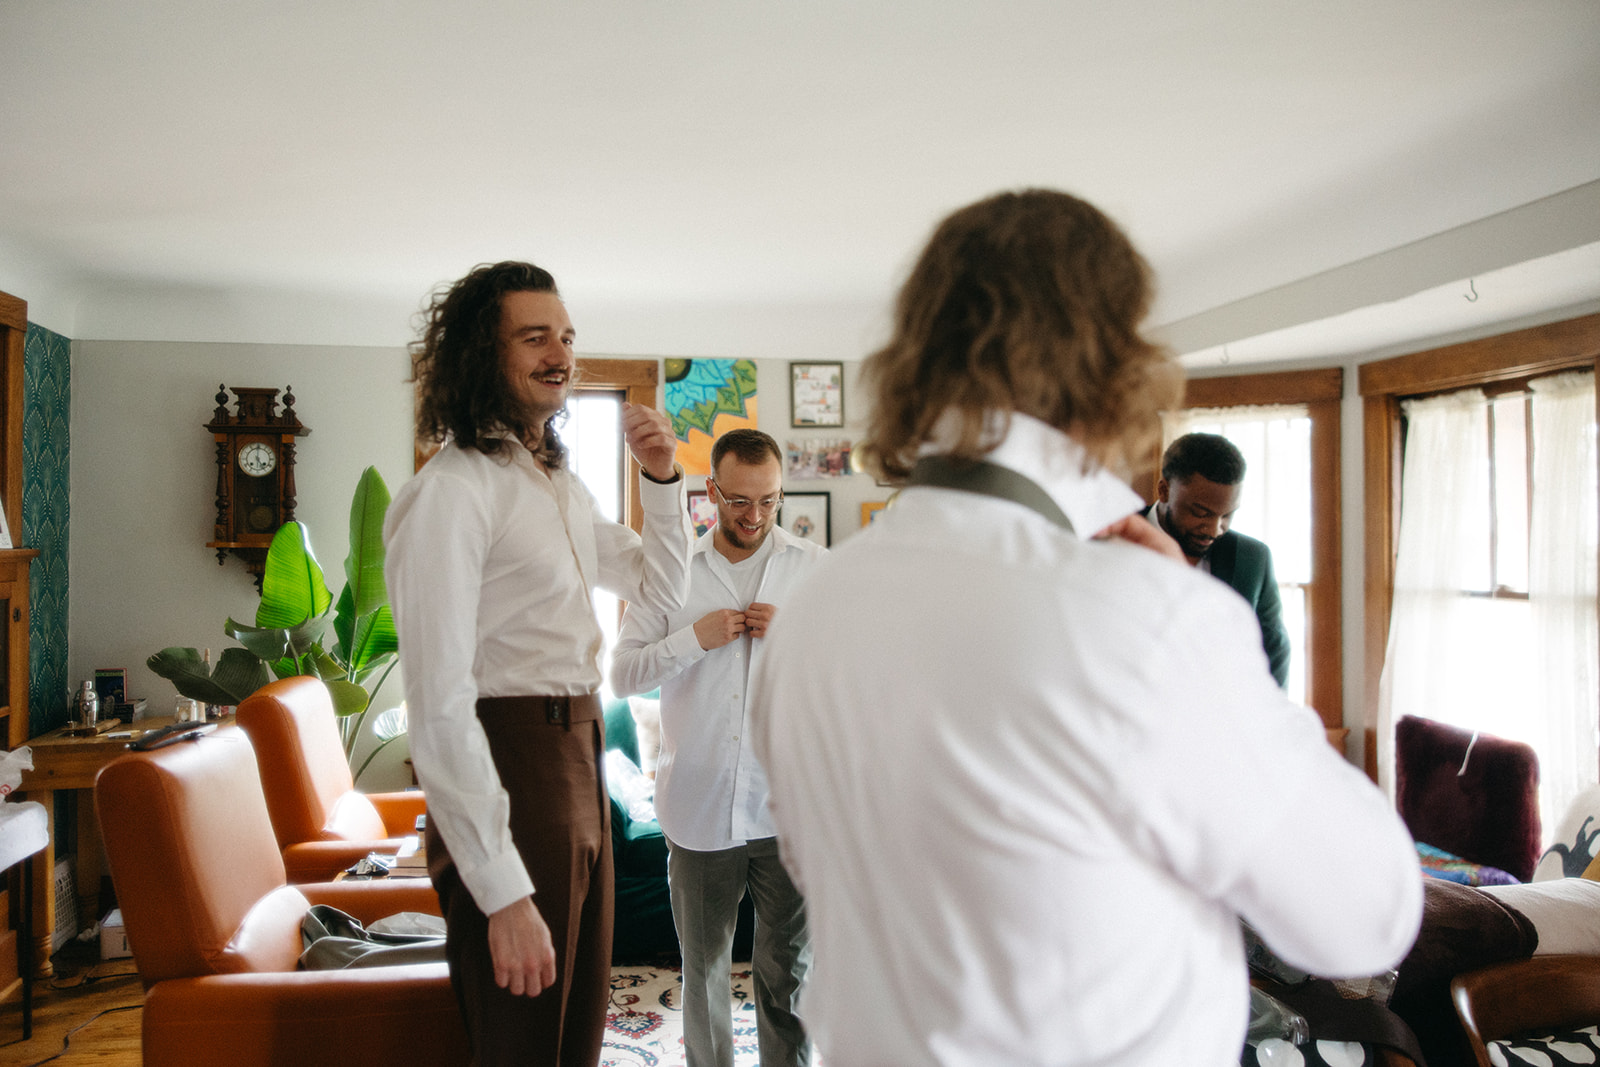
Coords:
255,472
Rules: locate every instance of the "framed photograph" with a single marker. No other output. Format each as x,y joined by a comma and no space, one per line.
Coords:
870,509
702,512
814,458
111,683
806,515
816,394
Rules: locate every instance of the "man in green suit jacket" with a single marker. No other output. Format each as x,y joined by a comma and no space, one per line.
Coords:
1201,476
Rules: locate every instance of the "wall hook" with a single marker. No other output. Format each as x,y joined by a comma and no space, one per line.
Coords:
1471,296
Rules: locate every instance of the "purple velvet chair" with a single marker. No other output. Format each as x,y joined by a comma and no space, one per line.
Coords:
1481,805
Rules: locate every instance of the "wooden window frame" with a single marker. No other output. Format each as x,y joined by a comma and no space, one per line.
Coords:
1573,344
637,381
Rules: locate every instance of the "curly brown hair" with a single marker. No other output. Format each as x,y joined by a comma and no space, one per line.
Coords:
1024,302
461,393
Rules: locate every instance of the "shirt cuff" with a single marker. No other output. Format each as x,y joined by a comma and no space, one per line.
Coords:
649,479
499,883
683,645
661,498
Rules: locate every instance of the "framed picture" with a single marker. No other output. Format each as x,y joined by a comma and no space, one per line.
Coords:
816,394
816,458
111,683
702,512
870,510
806,515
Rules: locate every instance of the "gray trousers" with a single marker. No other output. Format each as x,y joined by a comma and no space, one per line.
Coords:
706,889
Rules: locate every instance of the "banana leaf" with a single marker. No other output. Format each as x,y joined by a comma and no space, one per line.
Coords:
292,586
282,648
268,644
325,666
239,673
365,641
348,697
363,567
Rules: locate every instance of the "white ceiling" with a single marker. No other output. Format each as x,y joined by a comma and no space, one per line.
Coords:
752,177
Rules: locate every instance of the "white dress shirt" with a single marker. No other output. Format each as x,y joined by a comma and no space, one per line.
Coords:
490,567
711,792
1029,782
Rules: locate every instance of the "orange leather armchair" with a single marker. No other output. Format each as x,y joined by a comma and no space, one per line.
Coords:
1540,994
215,928
323,824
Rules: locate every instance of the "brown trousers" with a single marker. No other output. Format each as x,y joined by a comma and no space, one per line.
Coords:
550,757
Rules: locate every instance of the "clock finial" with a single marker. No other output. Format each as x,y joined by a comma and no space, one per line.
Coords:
288,404
221,414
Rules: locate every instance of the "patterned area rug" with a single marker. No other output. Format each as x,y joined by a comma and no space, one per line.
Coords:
644,1025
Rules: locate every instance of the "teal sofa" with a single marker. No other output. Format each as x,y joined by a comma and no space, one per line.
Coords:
644,932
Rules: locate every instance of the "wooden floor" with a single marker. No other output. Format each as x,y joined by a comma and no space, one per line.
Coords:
88,1013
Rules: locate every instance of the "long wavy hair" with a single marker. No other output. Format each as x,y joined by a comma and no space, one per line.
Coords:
461,392
1024,302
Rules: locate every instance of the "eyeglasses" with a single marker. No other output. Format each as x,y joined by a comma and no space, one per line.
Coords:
739,503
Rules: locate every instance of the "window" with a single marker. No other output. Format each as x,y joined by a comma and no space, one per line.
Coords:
593,436
1275,505
1481,548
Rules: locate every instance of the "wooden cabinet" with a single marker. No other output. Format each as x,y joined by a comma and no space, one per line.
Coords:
13,561
13,600
14,647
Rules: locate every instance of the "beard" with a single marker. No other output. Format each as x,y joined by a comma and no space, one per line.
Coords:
1194,549
747,542
1191,547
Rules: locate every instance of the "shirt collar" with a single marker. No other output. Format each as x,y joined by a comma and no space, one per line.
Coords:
780,539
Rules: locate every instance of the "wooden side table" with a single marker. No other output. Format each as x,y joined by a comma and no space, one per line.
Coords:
61,761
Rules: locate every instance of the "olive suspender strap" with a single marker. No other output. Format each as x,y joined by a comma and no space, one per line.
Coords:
988,479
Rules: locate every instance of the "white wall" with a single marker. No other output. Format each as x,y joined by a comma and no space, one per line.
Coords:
849,492
144,476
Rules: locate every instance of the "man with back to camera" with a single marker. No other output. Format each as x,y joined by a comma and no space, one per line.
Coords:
711,793
1202,476
493,549
1030,779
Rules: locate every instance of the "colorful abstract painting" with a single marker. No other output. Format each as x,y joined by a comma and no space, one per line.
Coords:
706,398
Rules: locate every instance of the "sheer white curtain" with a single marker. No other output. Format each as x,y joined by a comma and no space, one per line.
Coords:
1563,547
1429,669
1528,670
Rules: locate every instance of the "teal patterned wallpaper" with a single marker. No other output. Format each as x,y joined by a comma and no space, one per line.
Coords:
47,396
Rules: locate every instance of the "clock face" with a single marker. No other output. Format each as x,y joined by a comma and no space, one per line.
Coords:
257,459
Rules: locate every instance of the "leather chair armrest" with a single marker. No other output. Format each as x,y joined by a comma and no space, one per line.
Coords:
404,1014
370,900
399,811
319,861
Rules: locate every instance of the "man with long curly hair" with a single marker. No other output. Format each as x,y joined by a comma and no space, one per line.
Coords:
494,549
1028,773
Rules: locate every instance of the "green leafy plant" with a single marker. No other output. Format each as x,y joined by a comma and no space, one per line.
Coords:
293,619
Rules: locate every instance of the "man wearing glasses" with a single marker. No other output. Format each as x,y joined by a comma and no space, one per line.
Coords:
711,793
